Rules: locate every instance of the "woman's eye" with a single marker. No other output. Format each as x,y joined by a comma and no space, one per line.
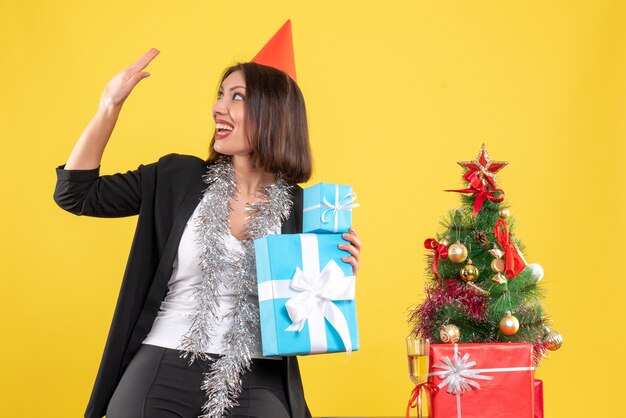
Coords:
238,96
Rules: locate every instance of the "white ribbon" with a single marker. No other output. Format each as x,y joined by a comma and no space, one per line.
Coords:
344,203
311,294
457,373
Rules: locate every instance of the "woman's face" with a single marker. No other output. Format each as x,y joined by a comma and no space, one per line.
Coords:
228,113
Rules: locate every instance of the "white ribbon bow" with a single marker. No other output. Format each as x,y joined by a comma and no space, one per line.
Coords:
314,302
457,374
344,203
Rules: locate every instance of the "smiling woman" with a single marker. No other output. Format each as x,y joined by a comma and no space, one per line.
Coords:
265,110
189,288
229,114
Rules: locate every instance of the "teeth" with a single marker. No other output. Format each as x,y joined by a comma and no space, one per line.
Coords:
221,126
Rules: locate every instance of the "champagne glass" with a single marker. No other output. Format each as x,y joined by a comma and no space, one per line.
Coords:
418,355
417,350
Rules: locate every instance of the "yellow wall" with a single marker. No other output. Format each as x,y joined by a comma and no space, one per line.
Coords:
397,93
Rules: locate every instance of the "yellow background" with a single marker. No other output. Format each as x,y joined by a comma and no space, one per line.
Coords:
397,93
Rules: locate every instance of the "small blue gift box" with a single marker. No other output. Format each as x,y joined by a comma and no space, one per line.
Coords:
328,208
306,295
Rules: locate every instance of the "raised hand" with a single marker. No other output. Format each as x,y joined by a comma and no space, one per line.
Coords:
120,86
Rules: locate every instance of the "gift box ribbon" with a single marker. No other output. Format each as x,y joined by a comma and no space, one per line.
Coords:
331,212
415,400
311,293
460,375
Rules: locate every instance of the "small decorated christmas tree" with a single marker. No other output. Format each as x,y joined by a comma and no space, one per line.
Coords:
481,289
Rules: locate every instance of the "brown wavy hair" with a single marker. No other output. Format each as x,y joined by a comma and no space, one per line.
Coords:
275,122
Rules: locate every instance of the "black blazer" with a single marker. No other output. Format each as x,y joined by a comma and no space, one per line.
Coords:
164,195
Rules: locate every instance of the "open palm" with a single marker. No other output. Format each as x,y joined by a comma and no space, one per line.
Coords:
120,86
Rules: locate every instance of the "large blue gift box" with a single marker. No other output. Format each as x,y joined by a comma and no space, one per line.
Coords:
328,208
306,295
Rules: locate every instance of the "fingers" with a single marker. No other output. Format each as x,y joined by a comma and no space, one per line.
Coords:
143,61
352,261
353,238
122,84
137,77
350,248
354,248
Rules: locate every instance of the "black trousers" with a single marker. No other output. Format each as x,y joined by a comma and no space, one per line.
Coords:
160,384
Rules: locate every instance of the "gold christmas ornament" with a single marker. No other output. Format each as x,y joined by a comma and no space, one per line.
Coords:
509,325
553,341
496,252
469,272
449,334
445,241
497,265
499,278
457,252
504,213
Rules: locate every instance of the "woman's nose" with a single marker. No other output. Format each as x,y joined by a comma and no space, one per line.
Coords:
219,108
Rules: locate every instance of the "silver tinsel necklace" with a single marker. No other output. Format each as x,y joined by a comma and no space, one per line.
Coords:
222,383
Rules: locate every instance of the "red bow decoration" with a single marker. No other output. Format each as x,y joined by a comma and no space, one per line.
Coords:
440,251
513,262
481,191
415,400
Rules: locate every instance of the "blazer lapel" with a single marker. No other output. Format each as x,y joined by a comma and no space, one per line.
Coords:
164,269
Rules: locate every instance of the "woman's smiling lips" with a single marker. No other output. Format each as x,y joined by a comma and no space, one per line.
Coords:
222,129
